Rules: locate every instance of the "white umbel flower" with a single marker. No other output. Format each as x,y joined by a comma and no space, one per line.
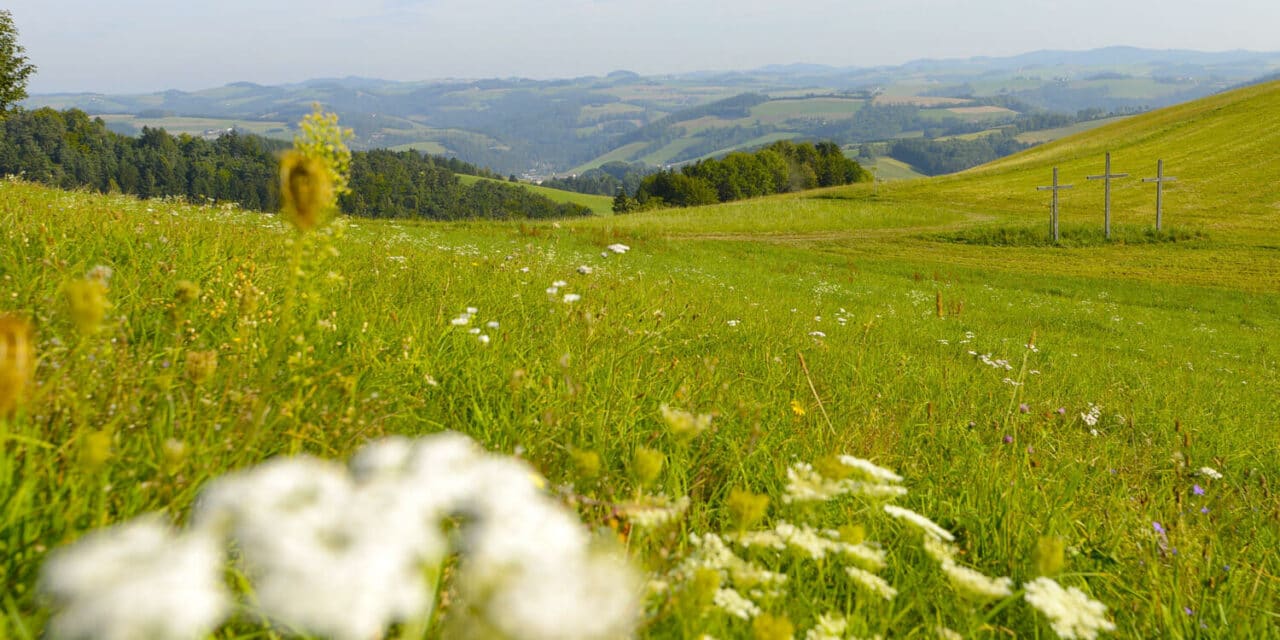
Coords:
1211,473
1071,612
870,469
735,604
871,582
975,584
136,580
618,248
804,484
830,626
920,522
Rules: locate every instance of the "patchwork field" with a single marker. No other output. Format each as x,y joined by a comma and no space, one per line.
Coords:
1103,412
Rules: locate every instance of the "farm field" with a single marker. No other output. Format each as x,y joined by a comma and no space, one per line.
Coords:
1103,412
600,205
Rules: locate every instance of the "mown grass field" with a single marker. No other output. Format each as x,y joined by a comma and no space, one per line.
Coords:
841,321
600,205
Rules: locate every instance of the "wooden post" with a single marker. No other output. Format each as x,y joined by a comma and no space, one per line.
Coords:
1106,178
1053,207
1160,179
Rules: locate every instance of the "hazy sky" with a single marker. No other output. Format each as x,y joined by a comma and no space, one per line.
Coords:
147,45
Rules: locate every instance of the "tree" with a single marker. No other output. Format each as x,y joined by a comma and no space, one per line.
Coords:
14,67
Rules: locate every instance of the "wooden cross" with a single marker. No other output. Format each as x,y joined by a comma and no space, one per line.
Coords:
1160,179
1053,208
1107,177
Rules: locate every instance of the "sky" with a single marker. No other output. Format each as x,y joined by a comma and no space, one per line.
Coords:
126,46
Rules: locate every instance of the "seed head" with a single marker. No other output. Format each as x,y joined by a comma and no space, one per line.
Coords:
306,189
746,508
201,365
87,301
17,361
647,465
1049,556
770,627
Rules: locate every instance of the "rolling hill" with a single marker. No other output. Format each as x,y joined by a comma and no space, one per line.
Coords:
539,128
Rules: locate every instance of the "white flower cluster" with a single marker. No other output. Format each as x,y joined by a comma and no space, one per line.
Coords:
975,584
1071,612
817,544
1091,416
804,484
618,248
710,552
344,553
920,522
653,512
830,626
1211,473
137,580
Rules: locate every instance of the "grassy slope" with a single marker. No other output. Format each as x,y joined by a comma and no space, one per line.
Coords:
1158,335
600,205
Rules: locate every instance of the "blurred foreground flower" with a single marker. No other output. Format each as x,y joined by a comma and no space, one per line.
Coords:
136,580
17,362
344,553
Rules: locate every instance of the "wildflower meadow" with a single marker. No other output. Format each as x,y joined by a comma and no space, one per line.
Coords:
723,422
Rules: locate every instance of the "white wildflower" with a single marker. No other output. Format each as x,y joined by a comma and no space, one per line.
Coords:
559,283
655,511
472,311
475,331
919,521
1210,472
735,604
733,323
551,291
939,550
684,423
461,321
817,334
871,582
976,584
571,297
870,469
804,484
483,338
1071,612
136,580
492,324
830,626
101,274
946,633
584,270
618,248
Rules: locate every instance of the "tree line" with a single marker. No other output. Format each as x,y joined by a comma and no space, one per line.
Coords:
781,167
70,150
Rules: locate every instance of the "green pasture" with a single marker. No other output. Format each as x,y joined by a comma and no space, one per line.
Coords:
918,324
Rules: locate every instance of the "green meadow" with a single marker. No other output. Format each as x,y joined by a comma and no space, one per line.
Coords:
1052,406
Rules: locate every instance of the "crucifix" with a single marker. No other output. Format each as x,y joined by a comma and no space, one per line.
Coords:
1107,177
1160,179
1053,208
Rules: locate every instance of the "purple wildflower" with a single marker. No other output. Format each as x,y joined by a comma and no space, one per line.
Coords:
1159,528
1008,439
1197,489
1023,408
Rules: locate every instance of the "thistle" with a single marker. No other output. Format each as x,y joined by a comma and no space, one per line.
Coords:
17,362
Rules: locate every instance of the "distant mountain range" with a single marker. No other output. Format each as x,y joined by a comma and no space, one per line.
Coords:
540,127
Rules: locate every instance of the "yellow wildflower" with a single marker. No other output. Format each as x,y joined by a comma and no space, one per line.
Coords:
306,190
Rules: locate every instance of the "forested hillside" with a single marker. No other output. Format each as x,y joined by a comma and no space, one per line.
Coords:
70,150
